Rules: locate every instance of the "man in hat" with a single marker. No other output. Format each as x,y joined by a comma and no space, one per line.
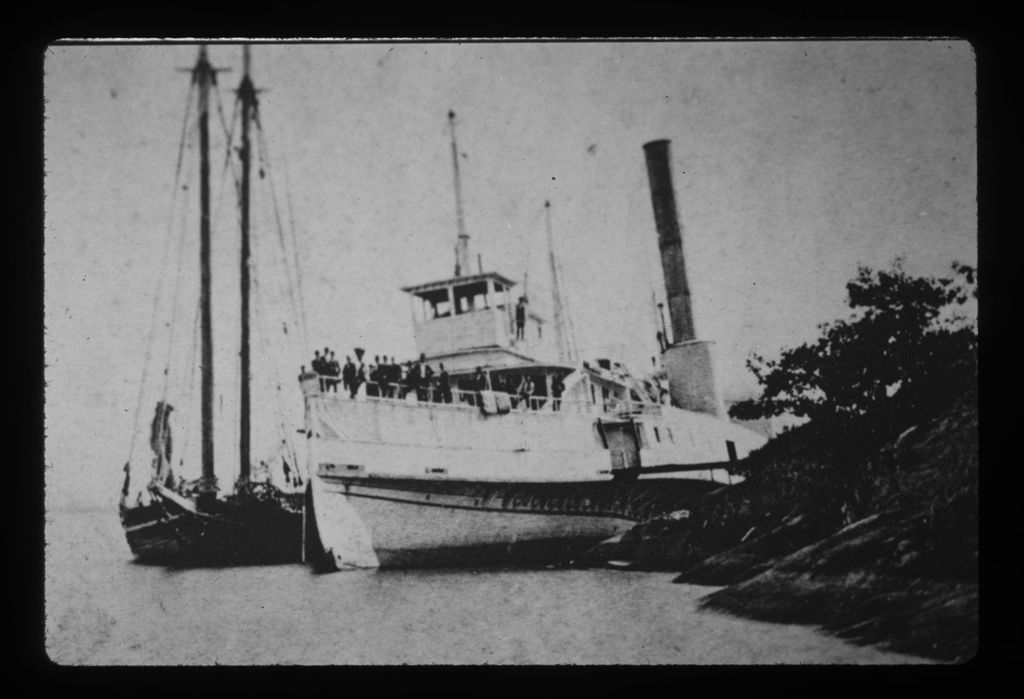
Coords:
360,372
334,371
348,375
318,367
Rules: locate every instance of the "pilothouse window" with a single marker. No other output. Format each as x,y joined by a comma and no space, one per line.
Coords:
434,304
471,297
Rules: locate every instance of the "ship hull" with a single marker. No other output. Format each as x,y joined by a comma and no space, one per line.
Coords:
174,530
399,523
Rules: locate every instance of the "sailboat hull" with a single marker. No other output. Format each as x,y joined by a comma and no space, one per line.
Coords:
398,523
175,530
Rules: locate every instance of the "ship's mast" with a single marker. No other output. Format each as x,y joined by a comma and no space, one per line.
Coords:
462,245
204,75
556,293
247,97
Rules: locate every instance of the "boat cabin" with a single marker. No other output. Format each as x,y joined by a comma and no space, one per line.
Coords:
470,321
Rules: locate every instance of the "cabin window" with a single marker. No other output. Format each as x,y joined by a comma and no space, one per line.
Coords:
641,433
668,431
471,297
435,304
657,435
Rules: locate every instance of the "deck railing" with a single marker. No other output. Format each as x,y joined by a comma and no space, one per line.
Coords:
460,399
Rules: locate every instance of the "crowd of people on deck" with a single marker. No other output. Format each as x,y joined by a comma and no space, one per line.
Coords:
382,378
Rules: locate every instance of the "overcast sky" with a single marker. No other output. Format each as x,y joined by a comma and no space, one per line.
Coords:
793,163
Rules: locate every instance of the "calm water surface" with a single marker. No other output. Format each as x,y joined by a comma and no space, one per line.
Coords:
102,609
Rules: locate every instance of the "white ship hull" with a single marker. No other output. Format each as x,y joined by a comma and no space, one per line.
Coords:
407,484
382,522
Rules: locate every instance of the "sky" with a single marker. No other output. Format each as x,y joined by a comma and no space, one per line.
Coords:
793,163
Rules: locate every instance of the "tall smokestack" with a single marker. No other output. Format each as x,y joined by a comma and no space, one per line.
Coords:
670,240
688,361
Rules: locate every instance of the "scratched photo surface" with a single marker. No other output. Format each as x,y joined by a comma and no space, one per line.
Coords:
793,164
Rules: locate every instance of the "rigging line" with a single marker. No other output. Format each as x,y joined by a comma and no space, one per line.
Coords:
174,302
231,411
229,135
290,285
228,160
295,252
265,164
573,352
263,342
265,337
223,125
150,340
190,386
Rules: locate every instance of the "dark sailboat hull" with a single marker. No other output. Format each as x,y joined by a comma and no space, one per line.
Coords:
175,530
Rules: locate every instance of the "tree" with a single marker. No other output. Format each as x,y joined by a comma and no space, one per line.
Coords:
906,346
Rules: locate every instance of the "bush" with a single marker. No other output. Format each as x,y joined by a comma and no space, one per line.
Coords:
906,350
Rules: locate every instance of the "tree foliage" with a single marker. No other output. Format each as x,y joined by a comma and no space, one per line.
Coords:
906,345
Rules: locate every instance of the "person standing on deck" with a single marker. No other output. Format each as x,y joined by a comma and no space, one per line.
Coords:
557,389
521,318
412,379
348,375
325,370
360,372
476,384
373,385
428,382
444,385
384,376
394,376
318,367
526,391
419,379
334,371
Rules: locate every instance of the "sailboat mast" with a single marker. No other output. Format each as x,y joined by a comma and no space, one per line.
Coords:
204,76
555,291
462,246
247,97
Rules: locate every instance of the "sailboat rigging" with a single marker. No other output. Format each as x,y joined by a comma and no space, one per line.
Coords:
200,523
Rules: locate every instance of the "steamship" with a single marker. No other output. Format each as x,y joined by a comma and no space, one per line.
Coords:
482,474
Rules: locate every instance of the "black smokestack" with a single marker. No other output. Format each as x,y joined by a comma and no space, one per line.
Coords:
669,240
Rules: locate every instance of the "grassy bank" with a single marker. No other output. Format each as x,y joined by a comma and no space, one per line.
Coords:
867,528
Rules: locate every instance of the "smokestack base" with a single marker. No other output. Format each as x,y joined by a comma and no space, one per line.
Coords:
691,377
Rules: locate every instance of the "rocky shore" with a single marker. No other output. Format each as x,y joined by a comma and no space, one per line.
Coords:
867,529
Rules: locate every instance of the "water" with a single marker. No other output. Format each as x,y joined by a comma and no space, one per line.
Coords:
102,609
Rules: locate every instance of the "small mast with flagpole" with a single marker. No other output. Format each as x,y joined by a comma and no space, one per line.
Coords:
462,245
556,292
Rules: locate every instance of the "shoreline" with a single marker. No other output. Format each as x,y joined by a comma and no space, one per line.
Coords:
884,555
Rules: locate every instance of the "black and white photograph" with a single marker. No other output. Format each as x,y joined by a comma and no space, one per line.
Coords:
501,352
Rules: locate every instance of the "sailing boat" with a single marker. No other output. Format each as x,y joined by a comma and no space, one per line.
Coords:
198,523
497,446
